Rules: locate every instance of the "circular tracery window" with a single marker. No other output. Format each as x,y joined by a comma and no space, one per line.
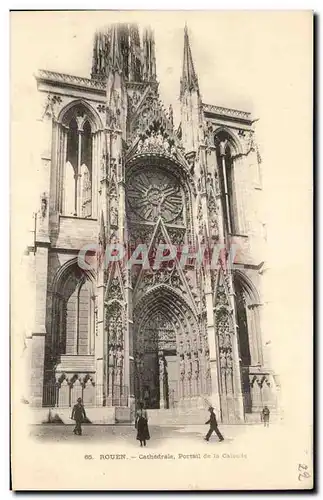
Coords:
152,195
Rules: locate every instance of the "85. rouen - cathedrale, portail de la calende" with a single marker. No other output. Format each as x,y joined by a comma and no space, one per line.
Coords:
115,169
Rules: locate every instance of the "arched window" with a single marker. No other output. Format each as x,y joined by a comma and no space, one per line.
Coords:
224,153
242,322
76,323
78,139
78,168
86,172
249,338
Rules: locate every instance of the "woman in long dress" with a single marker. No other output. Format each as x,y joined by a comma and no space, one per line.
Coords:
142,425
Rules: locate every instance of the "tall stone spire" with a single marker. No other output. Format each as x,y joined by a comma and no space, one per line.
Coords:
149,58
114,61
190,100
189,81
116,98
135,62
100,54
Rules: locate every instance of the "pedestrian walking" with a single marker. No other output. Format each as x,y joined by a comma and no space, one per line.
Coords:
142,425
265,416
78,414
213,426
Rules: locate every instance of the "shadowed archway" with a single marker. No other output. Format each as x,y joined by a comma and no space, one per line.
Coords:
171,354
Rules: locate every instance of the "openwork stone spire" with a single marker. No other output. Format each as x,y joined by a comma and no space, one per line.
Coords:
191,101
135,68
149,62
115,63
118,48
100,52
189,81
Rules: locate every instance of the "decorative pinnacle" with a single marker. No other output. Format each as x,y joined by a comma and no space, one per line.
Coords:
189,79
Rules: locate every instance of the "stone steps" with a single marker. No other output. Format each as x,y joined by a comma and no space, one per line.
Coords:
177,416
122,415
100,415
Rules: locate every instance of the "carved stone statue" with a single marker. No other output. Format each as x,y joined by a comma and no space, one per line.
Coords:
188,365
205,133
139,363
119,357
86,191
119,335
223,145
229,363
223,360
227,341
166,145
214,229
182,366
181,347
111,357
196,365
43,206
161,366
113,239
114,211
159,139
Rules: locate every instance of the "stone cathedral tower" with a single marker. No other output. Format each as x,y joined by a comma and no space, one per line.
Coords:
115,171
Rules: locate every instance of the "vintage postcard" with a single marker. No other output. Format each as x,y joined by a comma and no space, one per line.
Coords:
161,291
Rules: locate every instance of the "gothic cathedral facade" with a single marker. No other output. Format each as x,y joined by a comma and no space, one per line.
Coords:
115,170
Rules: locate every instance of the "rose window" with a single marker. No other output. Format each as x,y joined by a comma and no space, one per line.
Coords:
152,195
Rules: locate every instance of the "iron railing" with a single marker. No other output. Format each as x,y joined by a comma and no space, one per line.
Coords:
64,396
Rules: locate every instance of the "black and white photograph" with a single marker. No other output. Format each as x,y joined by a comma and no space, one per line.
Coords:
157,317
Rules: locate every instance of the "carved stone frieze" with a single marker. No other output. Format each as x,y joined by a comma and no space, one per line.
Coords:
151,111
70,80
213,217
157,334
134,98
115,324
219,110
177,235
101,108
115,291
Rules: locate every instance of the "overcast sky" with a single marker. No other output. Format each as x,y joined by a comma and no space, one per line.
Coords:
222,46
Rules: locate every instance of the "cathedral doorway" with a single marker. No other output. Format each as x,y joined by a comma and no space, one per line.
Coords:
171,352
157,363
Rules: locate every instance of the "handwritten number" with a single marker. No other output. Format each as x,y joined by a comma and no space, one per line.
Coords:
303,472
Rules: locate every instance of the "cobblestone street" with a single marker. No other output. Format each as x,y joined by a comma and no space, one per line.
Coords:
161,436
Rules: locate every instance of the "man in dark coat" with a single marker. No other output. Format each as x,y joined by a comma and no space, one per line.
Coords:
78,414
213,426
265,416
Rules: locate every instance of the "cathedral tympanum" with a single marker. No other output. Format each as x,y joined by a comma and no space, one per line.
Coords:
115,170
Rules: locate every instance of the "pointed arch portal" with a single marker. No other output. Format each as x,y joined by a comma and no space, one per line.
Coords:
171,354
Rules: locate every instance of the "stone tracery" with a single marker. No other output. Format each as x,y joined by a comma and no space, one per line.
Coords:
145,173
170,327
154,194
